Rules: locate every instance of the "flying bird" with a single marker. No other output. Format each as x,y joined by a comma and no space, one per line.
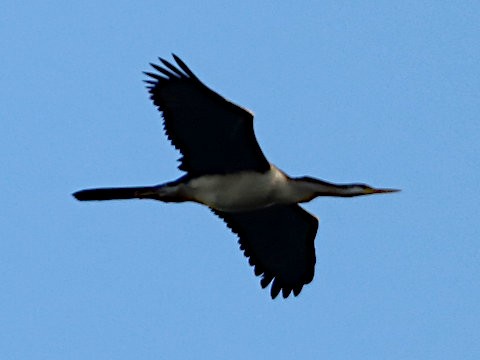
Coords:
226,170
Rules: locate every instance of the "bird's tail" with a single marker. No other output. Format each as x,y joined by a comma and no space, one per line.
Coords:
145,192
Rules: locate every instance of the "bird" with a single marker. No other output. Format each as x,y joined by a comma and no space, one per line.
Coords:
226,170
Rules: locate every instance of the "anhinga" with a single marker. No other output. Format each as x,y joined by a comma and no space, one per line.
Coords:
227,171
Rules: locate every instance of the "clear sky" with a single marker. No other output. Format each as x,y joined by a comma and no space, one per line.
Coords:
382,92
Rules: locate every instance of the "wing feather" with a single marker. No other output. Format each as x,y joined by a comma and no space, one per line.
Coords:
279,242
214,135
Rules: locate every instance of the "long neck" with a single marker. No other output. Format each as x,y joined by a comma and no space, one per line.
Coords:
307,188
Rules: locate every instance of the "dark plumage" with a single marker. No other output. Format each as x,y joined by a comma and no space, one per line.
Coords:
214,135
285,255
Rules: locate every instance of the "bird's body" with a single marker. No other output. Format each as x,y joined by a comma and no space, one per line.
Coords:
227,171
242,191
236,192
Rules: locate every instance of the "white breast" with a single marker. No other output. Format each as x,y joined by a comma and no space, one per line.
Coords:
240,191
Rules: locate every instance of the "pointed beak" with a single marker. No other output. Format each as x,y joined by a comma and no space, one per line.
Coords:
384,191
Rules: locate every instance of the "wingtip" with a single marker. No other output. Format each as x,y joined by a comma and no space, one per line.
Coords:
297,290
275,289
152,75
177,59
286,292
266,280
184,67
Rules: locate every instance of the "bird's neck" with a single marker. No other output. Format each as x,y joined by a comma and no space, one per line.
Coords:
307,188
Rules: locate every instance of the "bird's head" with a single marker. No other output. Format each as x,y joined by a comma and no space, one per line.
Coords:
363,189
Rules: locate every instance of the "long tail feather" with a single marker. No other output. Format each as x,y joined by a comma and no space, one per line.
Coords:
115,193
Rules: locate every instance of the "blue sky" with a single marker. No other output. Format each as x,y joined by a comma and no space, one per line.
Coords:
378,92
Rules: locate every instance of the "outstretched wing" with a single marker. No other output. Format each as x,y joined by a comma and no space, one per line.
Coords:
214,135
279,242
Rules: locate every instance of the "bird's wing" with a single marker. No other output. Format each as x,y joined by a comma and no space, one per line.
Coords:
214,135
279,242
